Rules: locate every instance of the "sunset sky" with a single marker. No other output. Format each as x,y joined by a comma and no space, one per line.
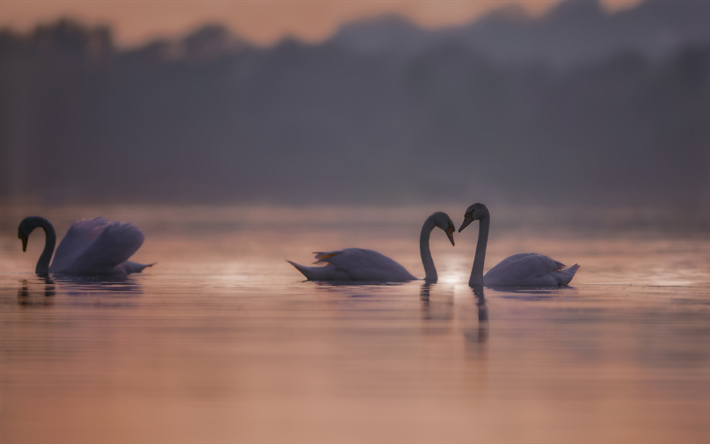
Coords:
261,21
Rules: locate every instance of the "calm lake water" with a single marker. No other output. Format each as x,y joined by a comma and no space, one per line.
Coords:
223,341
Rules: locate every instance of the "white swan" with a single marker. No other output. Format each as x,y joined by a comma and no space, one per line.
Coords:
91,246
358,264
524,269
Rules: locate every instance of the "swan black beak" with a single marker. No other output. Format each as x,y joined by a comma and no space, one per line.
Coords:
24,243
450,234
466,221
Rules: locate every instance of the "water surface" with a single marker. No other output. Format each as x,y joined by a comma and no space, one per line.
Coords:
223,341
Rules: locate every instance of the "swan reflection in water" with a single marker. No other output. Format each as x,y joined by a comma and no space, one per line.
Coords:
104,284
478,335
437,308
480,303
345,284
42,290
40,293
533,293
443,310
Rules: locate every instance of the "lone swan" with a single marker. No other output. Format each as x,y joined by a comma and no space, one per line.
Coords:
358,264
91,246
524,269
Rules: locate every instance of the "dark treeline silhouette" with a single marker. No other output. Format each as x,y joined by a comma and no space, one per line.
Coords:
426,115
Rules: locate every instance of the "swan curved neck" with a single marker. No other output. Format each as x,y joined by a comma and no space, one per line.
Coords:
50,241
427,261
476,278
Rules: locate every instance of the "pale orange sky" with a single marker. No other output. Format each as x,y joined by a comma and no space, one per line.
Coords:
261,21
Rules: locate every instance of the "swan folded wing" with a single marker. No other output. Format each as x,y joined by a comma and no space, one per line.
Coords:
115,245
353,257
78,238
525,269
323,255
546,260
365,265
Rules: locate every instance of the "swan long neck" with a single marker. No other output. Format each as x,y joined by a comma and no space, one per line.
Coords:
427,261
478,262
50,241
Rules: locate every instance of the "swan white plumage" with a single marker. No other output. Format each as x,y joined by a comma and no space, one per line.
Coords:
524,269
91,246
358,264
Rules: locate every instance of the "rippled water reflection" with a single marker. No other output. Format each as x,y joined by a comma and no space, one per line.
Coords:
222,341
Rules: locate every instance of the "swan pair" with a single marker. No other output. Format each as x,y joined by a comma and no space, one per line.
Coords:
524,269
91,246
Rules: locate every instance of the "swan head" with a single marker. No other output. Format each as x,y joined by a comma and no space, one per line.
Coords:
28,225
443,221
24,239
23,231
476,211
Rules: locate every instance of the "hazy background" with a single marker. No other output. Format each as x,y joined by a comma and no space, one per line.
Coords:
570,103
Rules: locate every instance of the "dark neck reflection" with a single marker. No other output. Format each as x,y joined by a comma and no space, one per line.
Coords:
480,302
42,285
479,335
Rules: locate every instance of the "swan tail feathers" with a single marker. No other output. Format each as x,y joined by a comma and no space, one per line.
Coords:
306,271
134,267
568,274
327,273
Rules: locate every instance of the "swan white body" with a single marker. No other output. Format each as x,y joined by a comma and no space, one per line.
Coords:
358,264
91,246
524,269
529,269
355,264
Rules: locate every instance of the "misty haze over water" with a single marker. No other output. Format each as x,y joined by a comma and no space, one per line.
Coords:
578,106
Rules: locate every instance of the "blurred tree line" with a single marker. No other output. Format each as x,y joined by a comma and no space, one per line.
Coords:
212,118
